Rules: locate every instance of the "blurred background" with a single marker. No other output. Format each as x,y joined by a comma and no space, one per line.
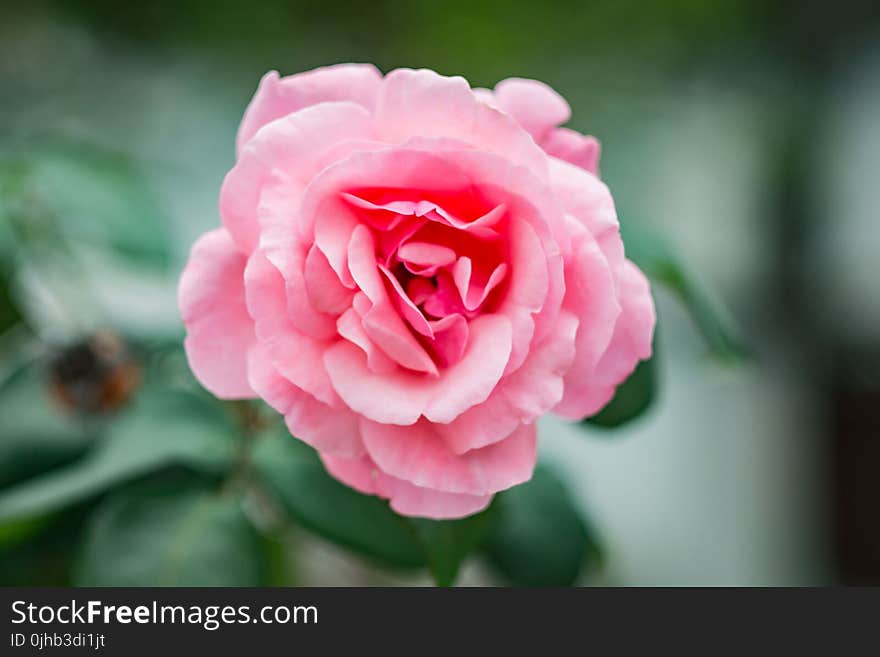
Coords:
747,134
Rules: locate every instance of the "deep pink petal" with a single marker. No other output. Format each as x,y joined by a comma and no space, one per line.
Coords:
405,305
382,323
212,302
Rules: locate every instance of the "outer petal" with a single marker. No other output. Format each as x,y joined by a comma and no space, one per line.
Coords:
418,455
277,96
591,294
585,197
630,344
535,105
424,104
580,150
329,430
295,146
407,499
297,357
219,329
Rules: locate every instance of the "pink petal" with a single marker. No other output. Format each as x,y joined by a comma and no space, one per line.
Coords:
325,291
417,454
580,150
405,396
327,209
350,325
277,97
406,307
584,197
410,500
634,329
296,356
424,259
521,397
358,473
427,105
450,338
406,499
536,106
294,145
473,294
631,342
303,316
331,430
212,302
590,294
382,323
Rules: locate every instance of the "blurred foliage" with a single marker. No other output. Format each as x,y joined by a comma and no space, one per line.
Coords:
364,524
540,537
170,533
656,257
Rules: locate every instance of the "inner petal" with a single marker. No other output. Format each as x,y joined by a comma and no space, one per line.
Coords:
405,305
424,258
473,293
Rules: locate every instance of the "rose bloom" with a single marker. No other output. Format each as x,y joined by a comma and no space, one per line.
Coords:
412,272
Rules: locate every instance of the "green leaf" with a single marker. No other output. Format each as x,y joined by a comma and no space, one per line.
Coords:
46,557
10,313
658,260
170,533
633,397
362,523
539,536
448,542
161,429
35,435
99,197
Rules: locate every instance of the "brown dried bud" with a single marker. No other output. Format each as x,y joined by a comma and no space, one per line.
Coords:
95,375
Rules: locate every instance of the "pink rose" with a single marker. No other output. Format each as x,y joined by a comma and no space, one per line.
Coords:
413,272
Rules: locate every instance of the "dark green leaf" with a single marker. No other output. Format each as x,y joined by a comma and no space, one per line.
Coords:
160,429
46,557
633,397
10,313
332,510
448,542
539,537
170,533
658,260
35,435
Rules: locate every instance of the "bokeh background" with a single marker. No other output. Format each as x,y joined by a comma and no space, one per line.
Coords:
746,133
